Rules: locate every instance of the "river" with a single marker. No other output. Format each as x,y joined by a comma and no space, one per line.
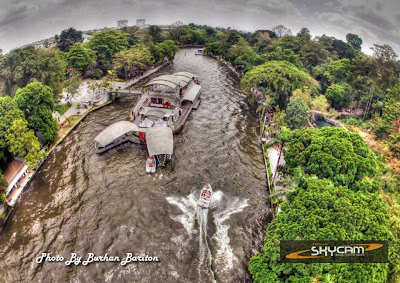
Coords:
82,202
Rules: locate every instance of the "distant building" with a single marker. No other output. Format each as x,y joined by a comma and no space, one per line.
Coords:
122,24
16,170
141,23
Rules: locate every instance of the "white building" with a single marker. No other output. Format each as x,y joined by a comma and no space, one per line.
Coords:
122,24
141,23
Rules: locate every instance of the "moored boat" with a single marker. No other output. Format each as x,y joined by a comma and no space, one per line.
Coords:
199,52
205,197
151,166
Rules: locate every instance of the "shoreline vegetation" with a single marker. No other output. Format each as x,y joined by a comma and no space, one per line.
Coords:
329,183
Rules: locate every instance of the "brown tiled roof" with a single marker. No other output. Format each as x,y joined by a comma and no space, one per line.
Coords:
13,169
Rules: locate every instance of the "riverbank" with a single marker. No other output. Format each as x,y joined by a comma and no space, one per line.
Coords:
74,119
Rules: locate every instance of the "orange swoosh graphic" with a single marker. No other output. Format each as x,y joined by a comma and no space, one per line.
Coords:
296,255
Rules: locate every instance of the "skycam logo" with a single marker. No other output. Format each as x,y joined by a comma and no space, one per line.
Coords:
338,250
334,252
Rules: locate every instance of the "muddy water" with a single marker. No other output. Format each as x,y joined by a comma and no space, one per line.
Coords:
83,202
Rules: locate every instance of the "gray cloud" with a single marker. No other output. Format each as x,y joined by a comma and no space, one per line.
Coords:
25,21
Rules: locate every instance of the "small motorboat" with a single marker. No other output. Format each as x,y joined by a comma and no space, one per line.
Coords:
151,165
199,52
205,197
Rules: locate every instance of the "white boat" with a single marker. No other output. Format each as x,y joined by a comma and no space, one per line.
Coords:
205,196
199,52
151,165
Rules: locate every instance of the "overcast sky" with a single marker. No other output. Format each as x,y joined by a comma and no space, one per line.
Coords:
25,21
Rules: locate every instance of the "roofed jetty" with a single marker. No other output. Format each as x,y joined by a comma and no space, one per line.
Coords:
161,111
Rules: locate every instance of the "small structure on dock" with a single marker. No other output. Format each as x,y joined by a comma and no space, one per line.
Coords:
117,134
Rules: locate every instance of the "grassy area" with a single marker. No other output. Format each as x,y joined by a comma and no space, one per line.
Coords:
365,125
61,109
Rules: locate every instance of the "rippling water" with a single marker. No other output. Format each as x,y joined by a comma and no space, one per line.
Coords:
83,202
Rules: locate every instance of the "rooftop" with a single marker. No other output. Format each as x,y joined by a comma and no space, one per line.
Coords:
159,140
114,131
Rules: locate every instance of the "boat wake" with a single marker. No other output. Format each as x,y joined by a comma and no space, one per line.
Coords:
220,212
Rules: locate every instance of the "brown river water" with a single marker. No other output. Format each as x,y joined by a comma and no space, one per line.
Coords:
81,202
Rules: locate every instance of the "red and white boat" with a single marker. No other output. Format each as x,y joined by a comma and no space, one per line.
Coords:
205,197
151,165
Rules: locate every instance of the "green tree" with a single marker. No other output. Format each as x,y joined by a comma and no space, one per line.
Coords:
354,40
36,100
278,79
338,70
155,33
338,95
304,33
106,44
68,38
9,112
385,124
332,153
51,69
280,54
21,66
81,57
214,48
167,49
233,38
312,54
23,143
134,59
297,113
343,49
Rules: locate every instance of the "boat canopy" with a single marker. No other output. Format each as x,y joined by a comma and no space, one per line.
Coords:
159,140
116,130
192,93
185,74
175,79
161,82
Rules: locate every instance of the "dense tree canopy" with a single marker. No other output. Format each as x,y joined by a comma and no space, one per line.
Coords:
137,58
354,40
278,79
338,95
166,49
106,44
36,100
338,70
23,143
21,66
319,210
332,153
81,57
9,112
